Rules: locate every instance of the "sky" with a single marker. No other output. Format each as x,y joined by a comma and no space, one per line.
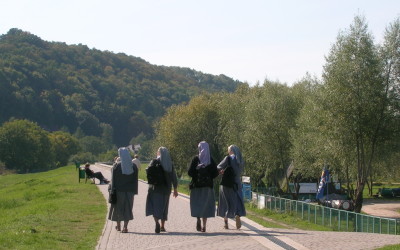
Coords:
250,40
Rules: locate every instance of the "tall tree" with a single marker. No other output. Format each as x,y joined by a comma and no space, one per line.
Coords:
356,102
271,114
183,127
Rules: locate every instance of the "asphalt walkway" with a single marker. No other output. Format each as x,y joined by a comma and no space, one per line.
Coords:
181,231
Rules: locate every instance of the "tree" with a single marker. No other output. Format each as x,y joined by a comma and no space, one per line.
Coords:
271,114
92,144
183,127
356,104
63,145
24,146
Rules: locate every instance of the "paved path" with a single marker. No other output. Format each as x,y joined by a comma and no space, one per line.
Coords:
181,232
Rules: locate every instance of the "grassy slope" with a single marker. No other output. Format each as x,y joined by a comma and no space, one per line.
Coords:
50,210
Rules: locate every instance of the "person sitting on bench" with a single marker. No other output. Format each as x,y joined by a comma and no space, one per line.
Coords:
90,173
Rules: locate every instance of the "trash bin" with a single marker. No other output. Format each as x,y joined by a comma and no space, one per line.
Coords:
81,174
246,188
77,165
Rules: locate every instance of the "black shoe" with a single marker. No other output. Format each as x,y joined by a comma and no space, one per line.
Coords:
198,225
162,229
158,229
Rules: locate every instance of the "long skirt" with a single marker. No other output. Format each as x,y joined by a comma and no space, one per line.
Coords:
122,210
202,202
230,203
157,205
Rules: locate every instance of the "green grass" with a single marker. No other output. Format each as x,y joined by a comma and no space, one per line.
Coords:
375,189
281,220
50,210
390,247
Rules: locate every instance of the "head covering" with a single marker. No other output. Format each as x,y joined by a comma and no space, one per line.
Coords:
126,161
238,155
165,159
204,153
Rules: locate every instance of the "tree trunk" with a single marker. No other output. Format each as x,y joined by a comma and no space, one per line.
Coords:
358,198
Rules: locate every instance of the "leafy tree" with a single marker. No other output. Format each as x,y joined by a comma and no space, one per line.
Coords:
183,127
271,115
63,145
24,146
356,103
93,145
232,119
83,157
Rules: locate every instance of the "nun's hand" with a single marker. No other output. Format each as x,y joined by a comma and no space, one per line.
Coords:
221,171
175,193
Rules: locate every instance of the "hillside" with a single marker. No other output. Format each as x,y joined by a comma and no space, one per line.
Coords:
67,87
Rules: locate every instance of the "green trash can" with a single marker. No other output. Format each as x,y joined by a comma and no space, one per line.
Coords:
77,165
81,174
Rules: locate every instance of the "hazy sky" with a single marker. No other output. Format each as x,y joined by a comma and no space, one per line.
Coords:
247,40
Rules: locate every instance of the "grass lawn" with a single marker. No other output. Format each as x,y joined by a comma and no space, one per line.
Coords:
269,218
50,210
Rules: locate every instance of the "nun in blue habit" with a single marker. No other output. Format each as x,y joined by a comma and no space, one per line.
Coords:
230,204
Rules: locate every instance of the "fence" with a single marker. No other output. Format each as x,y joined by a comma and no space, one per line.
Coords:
339,220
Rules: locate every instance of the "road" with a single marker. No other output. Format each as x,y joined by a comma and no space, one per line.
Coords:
181,232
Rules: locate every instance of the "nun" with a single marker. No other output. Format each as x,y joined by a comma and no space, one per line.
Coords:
124,178
230,204
203,170
157,201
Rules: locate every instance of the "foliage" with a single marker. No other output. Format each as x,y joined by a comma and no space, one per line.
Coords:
183,127
63,145
108,156
270,115
24,146
71,86
83,157
93,145
356,104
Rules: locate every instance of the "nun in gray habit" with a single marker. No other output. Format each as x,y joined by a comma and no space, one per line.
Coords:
202,201
157,202
231,203
125,181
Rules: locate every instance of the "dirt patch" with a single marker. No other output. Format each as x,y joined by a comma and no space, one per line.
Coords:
389,209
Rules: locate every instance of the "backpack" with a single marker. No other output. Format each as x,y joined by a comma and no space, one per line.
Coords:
155,174
228,178
203,177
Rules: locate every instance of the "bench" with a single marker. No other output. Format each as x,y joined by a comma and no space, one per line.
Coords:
83,175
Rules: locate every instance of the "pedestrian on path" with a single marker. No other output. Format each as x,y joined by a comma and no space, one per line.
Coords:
157,201
230,204
90,173
124,178
137,161
202,201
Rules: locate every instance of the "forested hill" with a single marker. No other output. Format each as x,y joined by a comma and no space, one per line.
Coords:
67,87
